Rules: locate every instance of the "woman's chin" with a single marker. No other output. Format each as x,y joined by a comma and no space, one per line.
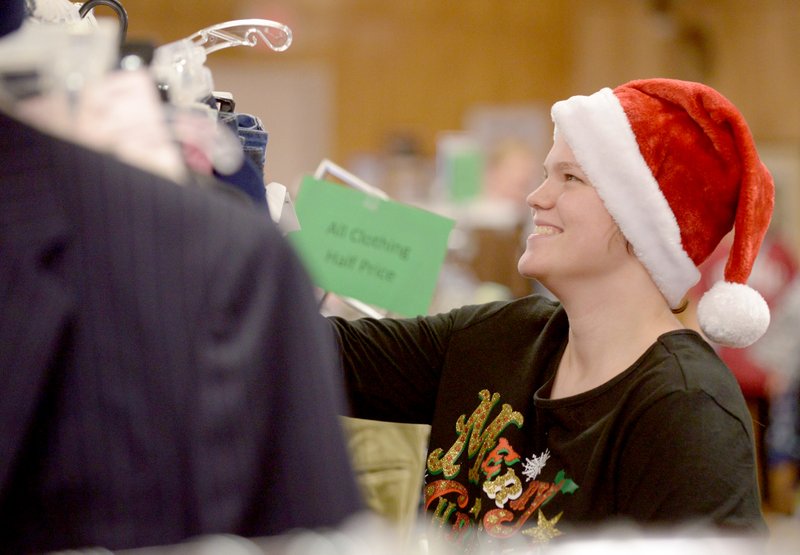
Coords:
526,268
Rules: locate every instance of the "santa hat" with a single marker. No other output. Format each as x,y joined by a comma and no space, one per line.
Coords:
675,165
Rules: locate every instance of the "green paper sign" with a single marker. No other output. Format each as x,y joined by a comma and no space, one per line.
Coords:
380,252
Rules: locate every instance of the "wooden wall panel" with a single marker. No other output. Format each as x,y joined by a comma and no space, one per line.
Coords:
417,65
414,66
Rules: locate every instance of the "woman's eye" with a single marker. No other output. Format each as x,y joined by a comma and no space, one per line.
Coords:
572,177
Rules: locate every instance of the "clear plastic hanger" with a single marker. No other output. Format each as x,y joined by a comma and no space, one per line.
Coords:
180,66
115,5
180,71
243,32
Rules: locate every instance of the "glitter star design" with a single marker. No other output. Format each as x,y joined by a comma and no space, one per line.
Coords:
545,530
532,467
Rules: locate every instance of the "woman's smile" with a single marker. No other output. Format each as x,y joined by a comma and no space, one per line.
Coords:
540,230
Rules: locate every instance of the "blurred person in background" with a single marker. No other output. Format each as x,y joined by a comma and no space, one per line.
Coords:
767,383
779,351
511,171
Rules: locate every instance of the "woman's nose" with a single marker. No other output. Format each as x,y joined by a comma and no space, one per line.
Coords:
543,196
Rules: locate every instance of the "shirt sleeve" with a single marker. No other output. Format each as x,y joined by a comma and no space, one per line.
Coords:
392,367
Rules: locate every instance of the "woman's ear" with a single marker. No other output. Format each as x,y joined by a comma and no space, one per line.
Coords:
618,236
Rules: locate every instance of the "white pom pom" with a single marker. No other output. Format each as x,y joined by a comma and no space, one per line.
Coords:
733,314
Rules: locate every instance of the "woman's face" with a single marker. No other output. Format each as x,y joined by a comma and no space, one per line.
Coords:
574,236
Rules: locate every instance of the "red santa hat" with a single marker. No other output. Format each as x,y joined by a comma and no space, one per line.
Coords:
675,165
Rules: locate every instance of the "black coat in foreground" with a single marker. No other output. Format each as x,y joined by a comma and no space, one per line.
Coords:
163,367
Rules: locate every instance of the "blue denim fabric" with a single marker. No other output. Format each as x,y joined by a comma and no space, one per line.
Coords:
250,177
251,133
254,138
249,181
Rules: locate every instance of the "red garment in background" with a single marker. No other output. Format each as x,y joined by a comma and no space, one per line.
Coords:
772,272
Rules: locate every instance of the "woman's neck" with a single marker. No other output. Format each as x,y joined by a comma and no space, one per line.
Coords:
607,336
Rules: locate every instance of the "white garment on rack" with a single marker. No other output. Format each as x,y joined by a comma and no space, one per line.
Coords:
119,113
72,92
59,12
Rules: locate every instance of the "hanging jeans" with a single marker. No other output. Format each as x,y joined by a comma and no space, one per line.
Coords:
251,133
249,178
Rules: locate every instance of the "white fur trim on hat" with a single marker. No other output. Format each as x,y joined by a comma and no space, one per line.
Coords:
597,130
733,314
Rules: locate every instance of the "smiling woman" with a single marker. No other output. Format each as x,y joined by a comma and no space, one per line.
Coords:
570,221
548,417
